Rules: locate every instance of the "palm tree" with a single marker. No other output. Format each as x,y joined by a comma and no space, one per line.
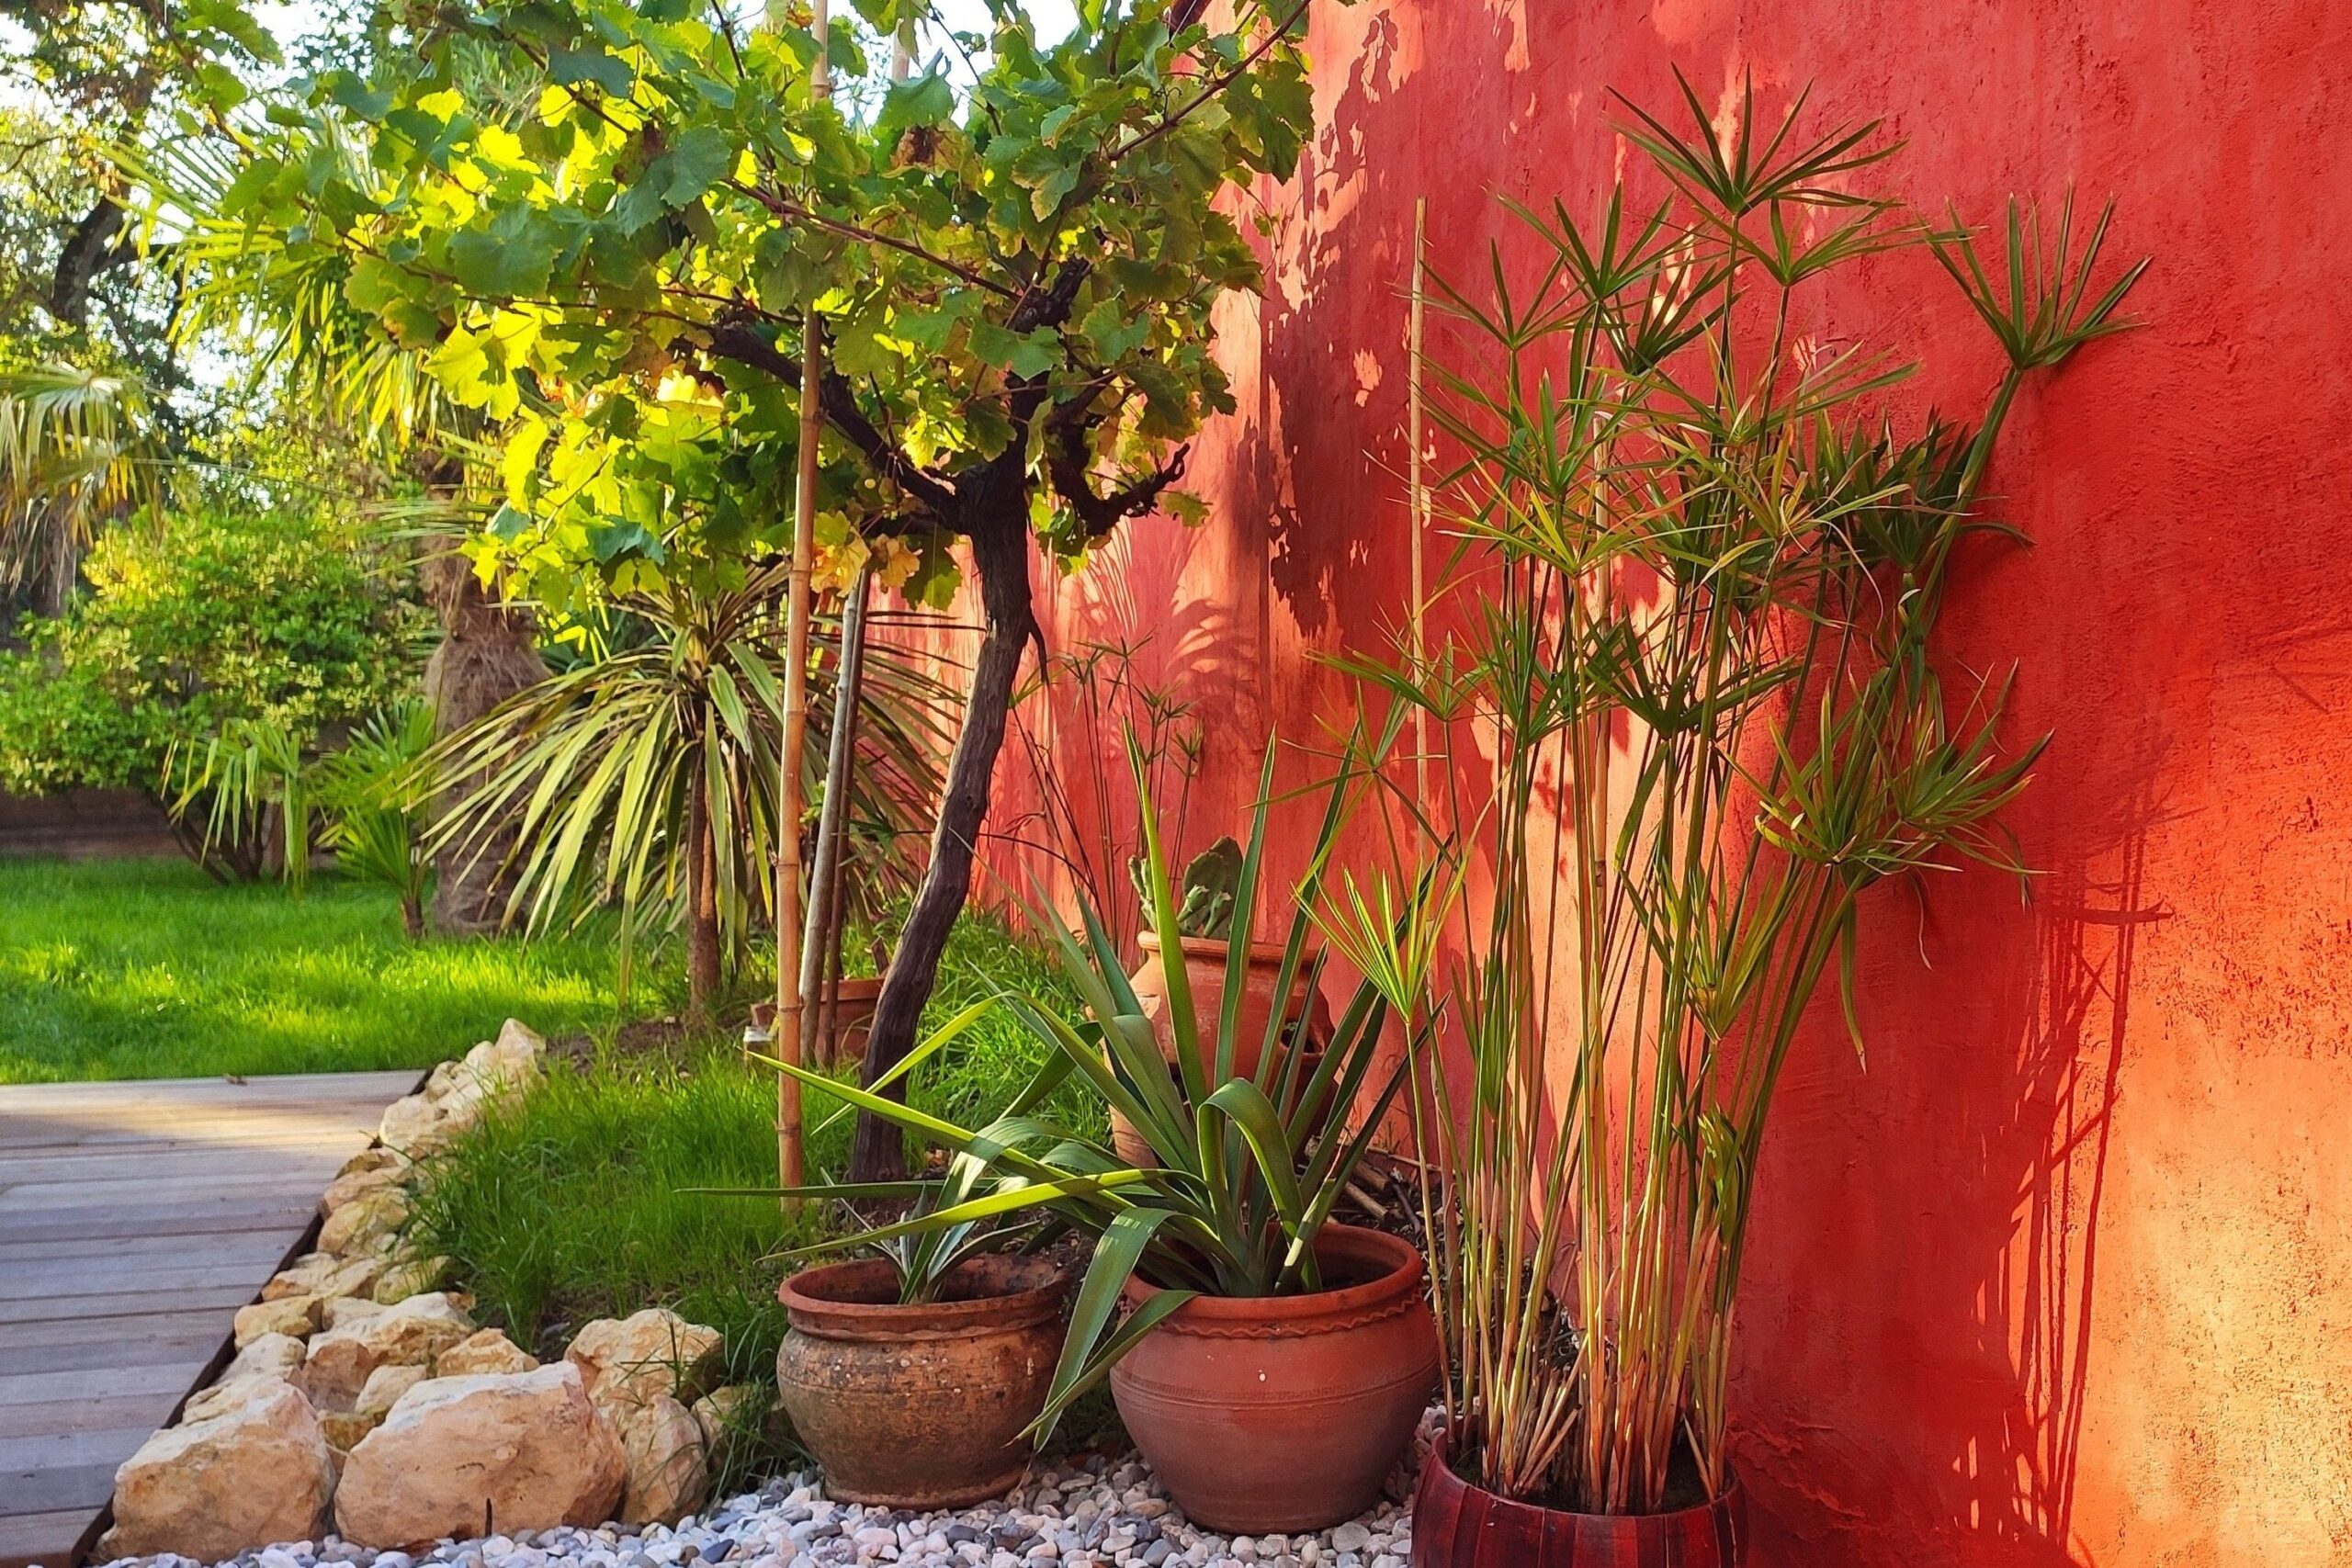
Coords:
74,452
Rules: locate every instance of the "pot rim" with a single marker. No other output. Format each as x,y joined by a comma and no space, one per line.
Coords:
1038,1299
1322,1312
864,987
1439,1457
1262,954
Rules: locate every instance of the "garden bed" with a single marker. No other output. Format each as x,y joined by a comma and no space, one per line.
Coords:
1091,1513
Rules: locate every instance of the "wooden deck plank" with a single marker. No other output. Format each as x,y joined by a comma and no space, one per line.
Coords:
25,1538
95,1383
135,1218
188,1217
111,1342
60,1277
130,1252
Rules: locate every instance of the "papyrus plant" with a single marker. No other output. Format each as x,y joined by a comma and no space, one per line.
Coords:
1685,684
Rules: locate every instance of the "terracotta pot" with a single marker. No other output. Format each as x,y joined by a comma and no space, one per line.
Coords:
851,1017
920,1406
1286,1412
1205,971
1458,1525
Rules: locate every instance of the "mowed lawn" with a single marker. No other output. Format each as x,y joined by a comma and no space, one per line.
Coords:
147,968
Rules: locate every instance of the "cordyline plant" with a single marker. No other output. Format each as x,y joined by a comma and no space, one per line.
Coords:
1697,719
578,214
645,776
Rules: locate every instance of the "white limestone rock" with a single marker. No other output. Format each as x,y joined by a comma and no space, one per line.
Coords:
519,1450
258,1471
488,1350
291,1317
408,1334
654,1352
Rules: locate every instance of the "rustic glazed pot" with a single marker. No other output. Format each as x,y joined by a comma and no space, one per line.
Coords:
1459,1524
1205,960
920,1406
1286,1412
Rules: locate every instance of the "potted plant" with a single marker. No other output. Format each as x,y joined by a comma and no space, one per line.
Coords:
914,1374
1271,1365
1693,670
1204,906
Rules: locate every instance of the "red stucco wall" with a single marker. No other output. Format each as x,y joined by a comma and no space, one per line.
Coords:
2062,1279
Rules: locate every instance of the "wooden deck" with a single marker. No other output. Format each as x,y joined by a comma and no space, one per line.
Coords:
135,1219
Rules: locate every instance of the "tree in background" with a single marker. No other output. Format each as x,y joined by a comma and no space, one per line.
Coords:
1014,284
204,625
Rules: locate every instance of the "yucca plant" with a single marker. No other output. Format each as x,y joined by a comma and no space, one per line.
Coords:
923,1259
1687,675
1250,1167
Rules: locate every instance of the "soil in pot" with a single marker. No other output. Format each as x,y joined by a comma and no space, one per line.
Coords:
1286,1412
920,1406
1458,1524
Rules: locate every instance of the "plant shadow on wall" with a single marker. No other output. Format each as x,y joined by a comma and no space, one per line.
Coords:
1338,271
2033,1204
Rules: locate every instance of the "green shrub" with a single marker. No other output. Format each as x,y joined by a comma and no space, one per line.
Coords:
205,617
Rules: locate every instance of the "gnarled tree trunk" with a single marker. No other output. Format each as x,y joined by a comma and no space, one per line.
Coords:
1000,536
489,652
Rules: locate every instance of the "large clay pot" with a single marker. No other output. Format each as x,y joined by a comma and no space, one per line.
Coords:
1459,1524
1286,1412
920,1406
1204,961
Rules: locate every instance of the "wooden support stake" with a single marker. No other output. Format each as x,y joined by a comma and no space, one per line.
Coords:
1418,494
791,1047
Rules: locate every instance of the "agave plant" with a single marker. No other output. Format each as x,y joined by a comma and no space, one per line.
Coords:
1688,665
1249,1167
1205,899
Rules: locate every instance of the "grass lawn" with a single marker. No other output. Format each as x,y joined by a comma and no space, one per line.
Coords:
576,1201
148,968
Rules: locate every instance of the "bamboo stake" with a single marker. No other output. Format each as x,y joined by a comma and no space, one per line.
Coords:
820,935
790,1047
1419,494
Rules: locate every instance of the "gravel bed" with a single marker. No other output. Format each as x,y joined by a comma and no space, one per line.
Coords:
1094,1514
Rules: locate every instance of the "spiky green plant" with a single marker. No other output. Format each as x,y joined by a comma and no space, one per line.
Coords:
645,776
1687,678
1249,1167
378,799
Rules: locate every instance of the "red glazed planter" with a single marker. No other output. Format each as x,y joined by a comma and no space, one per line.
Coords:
1286,1412
1457,1525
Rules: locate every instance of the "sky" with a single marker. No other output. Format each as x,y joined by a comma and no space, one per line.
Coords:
287,19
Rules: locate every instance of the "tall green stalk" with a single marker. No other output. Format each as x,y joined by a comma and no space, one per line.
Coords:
1693,717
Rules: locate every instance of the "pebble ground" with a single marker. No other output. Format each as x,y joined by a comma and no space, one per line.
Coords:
1097,1513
